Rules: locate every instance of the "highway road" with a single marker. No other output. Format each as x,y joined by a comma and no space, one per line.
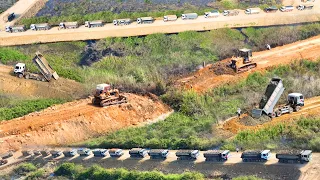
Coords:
134,29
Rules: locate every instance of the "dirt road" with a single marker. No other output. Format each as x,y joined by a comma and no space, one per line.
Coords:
19,8
61,88
312,107
231,168
217,74
200,24
77,121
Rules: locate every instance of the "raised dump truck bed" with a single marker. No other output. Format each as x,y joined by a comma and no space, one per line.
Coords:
187,154
294,156
44,67
115,152
216,155
138,153
158,153
100,152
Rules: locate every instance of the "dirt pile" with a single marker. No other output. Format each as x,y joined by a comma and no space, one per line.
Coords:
218,74
250,121
77,121
61,88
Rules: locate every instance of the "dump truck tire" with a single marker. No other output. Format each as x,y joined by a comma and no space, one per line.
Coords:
20,75
297,108
272,115
278,113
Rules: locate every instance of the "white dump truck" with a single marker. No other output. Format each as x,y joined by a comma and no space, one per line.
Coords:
120,22
145,20
68,25
305,7
212,14
230,12
170,18
286,8
14,29
189,16
92,24
47,73
252,11
37,27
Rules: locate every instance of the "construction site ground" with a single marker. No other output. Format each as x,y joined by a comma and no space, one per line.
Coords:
200,24
231,168
217,74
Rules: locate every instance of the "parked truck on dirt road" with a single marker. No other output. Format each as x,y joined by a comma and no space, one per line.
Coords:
271,9
305,7
115,152
100,152
256,156
217,155
294,156
145,20
252,11
84,152
47,73
230,12
170,18
68,25
56,154
212,14
70,153
270,98
158,153
38,27
14,29
187,154
189,16
120,22
138,153
93,24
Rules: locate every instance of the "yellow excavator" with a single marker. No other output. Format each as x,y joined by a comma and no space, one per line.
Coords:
243,61
107,96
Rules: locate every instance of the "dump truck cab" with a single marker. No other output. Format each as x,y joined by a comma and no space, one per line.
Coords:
265,154
296,99
19,69
306,155
116,152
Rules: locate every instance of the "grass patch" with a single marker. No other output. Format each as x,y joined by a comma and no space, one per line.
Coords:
25,168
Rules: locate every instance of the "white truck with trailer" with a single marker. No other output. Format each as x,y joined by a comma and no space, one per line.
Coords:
212,14
272,95
47,73
230,12
294,156
93,24
68,25
145,20
305,7
189,16
286,8
256,156
15,29
252,11
120,22
170,18
38,27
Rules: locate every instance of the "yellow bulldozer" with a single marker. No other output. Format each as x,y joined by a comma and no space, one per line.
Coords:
105,95
243,61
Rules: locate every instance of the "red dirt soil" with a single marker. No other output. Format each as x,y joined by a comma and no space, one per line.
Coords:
77,121
217,74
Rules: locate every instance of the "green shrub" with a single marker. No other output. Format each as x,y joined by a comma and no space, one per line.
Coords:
8,55
25,168
40,173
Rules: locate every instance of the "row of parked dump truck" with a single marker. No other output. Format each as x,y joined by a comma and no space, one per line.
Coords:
149,20
292,156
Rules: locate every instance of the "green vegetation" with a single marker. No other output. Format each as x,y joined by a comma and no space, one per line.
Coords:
73,171
38,174
12,108
303,134
247,178
9,54
25,168
192,124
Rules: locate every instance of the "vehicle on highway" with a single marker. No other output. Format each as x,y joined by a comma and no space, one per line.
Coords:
189,16
212,14
286,8
38,27
11,17
145,20
170,18
230,12
120,22
271,9
305,7
252,11
14,29
93,24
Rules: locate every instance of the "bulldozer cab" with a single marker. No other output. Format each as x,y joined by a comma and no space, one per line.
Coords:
102,88
245,54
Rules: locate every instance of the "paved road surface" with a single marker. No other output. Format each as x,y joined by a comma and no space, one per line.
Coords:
200,24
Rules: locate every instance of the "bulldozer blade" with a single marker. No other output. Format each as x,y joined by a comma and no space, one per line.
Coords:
246,67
